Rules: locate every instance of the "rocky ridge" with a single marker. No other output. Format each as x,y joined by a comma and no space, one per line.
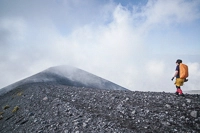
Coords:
55,108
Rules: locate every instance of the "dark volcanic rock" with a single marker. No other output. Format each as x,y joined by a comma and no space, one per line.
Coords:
50,107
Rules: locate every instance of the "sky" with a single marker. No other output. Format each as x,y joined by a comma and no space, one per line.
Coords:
133,43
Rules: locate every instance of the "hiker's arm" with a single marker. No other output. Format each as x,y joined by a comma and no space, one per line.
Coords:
176,72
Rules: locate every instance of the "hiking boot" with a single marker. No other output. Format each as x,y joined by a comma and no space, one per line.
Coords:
176,93
181,95
186,80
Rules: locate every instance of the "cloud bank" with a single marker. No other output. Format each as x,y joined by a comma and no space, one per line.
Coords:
134,45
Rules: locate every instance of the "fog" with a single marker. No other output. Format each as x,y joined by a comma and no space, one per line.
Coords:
134,45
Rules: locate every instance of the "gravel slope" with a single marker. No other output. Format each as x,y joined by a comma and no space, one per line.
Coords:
53,108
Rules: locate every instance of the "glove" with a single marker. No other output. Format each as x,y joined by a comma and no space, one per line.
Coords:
172,78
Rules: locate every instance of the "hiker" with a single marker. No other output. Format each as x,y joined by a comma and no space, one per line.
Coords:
180,79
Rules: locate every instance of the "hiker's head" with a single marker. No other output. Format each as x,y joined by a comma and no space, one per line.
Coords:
179,61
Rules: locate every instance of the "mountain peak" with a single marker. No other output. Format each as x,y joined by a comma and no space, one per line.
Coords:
66,75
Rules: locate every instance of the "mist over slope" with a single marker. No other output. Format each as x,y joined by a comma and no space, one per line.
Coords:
66,75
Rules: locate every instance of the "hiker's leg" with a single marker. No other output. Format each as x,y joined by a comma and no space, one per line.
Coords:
179,82
179,91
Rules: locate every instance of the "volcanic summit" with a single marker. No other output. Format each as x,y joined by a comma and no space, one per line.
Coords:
67,75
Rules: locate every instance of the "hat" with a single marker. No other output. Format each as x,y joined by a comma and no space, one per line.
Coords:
179,61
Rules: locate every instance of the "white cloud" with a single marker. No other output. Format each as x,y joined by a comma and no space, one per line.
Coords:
155,68
194,75
194,70
179,11
109,40
11,30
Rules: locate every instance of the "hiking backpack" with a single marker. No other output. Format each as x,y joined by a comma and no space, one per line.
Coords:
183,71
